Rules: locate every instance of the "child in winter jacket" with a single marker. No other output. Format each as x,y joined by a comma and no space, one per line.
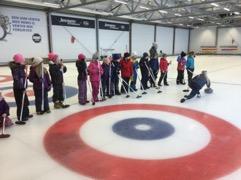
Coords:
164,70
106,78
135,69
190,65
126,71
56,70
4,112
39,76
19,73
144,66
95,71
115,65
181,60
82,78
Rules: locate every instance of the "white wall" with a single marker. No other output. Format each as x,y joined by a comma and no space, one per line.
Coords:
229,37
164,39
142,38
20,39
85,40
181,41
205,36
113,39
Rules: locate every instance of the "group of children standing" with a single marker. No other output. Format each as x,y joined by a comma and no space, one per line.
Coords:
104,78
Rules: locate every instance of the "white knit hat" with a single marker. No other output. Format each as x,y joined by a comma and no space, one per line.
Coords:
37,60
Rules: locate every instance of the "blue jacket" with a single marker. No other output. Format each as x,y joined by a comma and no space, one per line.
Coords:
154,65
135,67
199,81
190,62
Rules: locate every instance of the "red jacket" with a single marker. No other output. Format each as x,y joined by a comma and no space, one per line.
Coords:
126,68
163,65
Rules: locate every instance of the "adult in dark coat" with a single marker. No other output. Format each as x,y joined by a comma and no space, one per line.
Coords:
154,65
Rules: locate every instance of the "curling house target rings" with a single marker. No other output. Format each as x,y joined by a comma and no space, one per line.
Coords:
220,157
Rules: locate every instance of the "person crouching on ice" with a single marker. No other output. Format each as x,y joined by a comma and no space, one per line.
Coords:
57,70
95,71
196,84
82,79
4,112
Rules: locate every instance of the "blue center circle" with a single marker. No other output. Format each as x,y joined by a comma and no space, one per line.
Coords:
143,128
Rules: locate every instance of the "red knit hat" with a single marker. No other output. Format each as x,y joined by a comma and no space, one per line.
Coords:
81,57
52,56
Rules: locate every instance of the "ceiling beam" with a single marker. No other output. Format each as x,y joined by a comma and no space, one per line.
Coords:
173,7
78,5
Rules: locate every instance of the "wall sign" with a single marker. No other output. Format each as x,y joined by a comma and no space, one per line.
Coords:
113,26
71,21
36,38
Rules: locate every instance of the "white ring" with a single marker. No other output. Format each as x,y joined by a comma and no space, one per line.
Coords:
189,137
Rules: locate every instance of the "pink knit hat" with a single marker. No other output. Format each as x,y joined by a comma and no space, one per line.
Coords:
18,58
52,56
81,57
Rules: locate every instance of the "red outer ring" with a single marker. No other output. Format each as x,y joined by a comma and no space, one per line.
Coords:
220,157
6,78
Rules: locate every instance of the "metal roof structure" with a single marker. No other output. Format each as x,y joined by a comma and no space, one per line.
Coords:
181,13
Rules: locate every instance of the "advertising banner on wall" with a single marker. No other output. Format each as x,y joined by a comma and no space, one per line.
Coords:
22,31
72,35
113,37
113,26
71,21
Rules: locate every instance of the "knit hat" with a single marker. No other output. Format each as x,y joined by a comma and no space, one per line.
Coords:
37,61
116,56
18,58
95,56
81,57
183,54
134,54
126,55
154,44
164,55
52,56
145,54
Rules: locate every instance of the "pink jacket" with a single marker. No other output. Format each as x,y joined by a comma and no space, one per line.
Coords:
95,71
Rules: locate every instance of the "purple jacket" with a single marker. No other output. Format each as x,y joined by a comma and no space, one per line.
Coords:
37,81
4,108
19,75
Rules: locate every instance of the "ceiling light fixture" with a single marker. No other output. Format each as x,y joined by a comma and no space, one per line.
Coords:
226,9
164,12
177,14
236,13
214,4
190,17
121,2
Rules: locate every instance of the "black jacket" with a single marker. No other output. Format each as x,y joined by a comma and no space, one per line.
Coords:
56,73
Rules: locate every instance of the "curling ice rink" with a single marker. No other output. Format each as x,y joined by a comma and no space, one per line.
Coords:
154,137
